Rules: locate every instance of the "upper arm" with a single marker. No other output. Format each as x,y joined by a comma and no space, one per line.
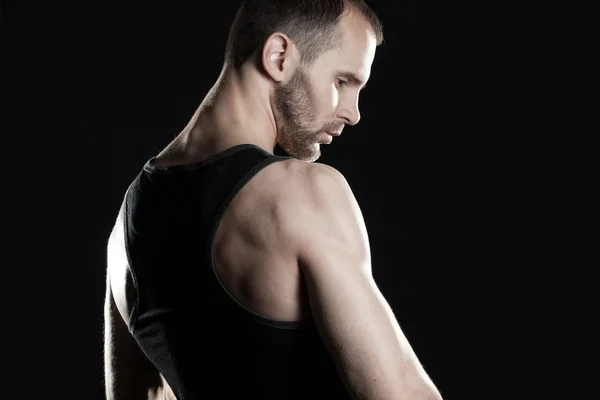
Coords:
354,320
129,375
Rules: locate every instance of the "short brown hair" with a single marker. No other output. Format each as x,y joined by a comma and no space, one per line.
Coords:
313,26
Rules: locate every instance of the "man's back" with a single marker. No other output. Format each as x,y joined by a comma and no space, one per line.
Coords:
252,261
242,328
253,277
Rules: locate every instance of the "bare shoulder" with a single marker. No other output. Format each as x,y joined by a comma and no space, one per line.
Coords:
314,190
320,209
316,183
294,200
292,181
325,227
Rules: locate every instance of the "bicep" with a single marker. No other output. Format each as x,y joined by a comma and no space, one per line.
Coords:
128,373
354,320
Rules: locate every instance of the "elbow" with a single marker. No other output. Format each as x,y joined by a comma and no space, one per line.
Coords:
422,391
404,393
432,393
435,395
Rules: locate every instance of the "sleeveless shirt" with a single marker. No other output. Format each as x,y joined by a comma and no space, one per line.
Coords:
205,343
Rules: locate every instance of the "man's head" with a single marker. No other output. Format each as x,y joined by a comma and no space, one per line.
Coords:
316,55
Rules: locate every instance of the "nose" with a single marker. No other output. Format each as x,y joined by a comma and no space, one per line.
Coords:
349,112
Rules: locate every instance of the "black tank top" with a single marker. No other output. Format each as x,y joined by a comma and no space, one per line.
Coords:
205,343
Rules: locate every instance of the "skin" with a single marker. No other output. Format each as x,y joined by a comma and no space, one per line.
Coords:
308,238
284,102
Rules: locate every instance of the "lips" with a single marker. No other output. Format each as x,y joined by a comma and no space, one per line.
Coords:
335,133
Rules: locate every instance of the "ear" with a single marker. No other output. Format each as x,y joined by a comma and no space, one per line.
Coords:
279,57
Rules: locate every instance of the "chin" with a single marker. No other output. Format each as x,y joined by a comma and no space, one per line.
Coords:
314,156
306,154
310,158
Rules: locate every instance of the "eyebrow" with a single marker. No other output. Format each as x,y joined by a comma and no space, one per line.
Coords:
352,77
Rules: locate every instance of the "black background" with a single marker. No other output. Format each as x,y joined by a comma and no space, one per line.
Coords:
453,165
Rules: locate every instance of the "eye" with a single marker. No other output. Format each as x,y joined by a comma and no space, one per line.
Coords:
342,82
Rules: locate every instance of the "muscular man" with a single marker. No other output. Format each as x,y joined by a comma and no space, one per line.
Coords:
237,273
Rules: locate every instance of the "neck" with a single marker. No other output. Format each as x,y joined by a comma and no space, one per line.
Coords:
237,110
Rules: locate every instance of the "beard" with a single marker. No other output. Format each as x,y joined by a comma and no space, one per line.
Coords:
295,110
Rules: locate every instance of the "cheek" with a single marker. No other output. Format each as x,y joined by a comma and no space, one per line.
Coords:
334,96
327,98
